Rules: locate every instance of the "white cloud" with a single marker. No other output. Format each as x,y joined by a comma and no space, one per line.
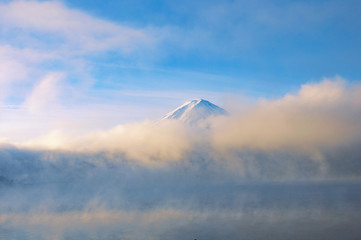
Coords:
40,37
13,69
45,93
84,32
45,70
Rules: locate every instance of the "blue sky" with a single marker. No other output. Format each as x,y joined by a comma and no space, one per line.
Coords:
122,61
83,84
269,43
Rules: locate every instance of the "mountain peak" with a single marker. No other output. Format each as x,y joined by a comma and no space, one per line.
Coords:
193,111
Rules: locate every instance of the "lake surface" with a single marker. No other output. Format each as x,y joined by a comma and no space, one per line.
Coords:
307,210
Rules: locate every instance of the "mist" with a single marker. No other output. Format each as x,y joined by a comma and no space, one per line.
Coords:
283,168
62,195
267,145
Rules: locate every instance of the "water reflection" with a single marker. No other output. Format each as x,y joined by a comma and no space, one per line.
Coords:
326,210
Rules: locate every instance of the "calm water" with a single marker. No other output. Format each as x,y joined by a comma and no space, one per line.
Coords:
330,210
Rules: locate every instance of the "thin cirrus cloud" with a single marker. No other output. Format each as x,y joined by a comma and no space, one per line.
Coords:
45,93
39,38
46,59
84,32
15,66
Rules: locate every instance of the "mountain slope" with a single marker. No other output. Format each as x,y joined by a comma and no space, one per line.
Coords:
194,111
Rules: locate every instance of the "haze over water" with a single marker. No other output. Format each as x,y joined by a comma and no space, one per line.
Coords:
261,140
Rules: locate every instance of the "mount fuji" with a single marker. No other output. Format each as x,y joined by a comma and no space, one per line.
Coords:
194,111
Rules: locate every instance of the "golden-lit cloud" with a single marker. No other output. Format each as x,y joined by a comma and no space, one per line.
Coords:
318,116
324,114
148,142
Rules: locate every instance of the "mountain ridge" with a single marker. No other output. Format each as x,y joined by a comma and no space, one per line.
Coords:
192,112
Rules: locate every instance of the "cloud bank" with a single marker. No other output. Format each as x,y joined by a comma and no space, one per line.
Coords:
298,135
324,114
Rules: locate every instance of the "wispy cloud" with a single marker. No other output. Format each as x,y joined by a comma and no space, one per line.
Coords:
40,37
72,168
83,32
44,94
47,53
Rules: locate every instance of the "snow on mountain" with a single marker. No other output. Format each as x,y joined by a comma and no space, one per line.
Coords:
194,111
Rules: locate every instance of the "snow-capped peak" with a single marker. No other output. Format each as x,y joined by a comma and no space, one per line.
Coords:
193,111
